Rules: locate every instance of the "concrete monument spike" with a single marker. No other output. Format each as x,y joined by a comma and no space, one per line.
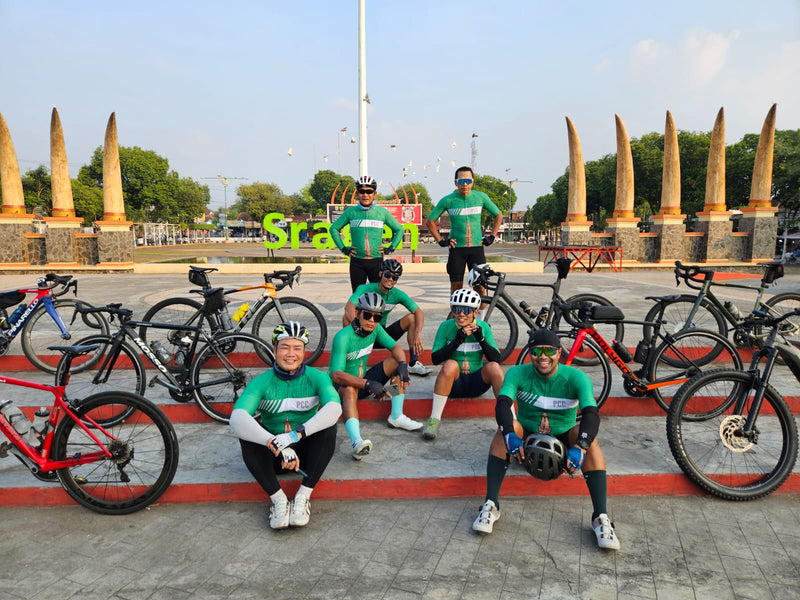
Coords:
758,217
115,236
668,223
15,222
575,230
63,224
623,226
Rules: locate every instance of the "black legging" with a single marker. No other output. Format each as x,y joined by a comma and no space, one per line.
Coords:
363,269
314,452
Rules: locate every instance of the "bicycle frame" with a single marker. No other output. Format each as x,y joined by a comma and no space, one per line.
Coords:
498,289
39,461
44,297
706,293
269,292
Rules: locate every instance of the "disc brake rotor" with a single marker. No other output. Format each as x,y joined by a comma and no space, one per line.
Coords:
730,432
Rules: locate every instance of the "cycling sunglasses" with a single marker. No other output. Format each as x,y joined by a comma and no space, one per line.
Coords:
461,310
371,316
388,275
464,181
365,191
537,351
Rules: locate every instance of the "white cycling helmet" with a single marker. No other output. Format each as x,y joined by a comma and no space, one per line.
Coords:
367,181
477,275
466,297
372,302
289,330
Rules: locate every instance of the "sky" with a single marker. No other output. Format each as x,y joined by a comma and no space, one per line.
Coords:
261,90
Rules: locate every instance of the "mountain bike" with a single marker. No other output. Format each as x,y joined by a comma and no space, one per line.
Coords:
667,360
265,313
42,322
504,327
115,467
211,368
746,447
706,311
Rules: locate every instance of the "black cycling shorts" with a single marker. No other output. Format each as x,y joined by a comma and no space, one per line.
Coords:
470,385
459,258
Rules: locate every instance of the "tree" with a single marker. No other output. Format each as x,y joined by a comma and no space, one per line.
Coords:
37,191
323,185
500,192
259,199
88,201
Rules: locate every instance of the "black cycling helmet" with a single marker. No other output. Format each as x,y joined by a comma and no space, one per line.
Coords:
393,266
545,456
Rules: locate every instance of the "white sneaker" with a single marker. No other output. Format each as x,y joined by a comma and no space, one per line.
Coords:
403,422
604,530
419,369
361,448
486,518
279,515
300,512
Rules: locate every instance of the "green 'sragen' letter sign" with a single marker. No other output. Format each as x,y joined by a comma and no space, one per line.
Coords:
320,236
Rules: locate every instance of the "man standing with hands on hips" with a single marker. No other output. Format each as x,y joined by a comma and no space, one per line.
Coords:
466,241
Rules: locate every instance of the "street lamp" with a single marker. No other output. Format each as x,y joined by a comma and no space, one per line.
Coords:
511,185
225,181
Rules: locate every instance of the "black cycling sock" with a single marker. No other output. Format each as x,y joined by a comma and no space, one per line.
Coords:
598,491
412,356
495,473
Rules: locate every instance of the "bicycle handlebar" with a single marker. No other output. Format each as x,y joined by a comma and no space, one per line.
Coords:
285,278
691,273
51,280
115,308
758,317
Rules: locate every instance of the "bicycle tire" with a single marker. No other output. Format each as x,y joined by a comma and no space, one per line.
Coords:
609,331
144,445
223,368
172,311
41,331
780,304
124,372
598,369
685,355
675,312
293,309
504,329
714,455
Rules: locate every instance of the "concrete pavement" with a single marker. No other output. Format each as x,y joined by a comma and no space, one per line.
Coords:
413,538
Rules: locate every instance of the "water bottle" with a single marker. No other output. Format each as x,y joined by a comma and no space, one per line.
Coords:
17,313
527,309
622,351
225,317
15,417
732,309
39,427
183,349
162,353
3,318
241,311
541,318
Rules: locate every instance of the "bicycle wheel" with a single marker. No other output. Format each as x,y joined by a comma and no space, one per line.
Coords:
222,369
120,370
716,453
144,449
504,328
173,311
781,304
41,331
609,331
595,364
292,309
683,356
676,314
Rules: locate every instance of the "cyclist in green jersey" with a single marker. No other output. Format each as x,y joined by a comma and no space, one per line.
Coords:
348,368
548,396
460,346
366,220
391,270
285,420
466,241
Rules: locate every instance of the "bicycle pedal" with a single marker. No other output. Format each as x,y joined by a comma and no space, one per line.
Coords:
153,382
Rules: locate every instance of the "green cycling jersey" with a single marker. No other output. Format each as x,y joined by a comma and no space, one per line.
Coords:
366,230
469,350
350,351
391,299
559,395
465,216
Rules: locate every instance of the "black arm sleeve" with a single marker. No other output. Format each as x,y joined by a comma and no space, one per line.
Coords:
445,352
491,353
590,424
503,414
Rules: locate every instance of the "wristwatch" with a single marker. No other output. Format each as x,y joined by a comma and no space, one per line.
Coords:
301,431
583,442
